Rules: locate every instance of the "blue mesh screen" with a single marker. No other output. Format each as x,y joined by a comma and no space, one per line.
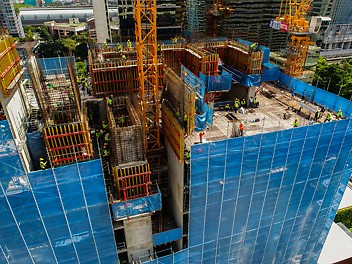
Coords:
266,198
50,216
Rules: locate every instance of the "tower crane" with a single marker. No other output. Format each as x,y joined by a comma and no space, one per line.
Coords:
147,64
219,8
292,19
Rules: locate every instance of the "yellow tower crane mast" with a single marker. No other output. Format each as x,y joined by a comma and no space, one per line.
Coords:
292,19
147,64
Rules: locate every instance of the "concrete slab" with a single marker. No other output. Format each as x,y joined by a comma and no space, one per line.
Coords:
270,115
337,246
346,198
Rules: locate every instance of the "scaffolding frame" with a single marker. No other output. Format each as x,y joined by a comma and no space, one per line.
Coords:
65,125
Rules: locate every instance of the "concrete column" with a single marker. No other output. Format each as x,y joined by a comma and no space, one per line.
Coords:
138,234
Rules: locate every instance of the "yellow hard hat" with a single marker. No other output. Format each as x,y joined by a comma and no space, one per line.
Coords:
41,159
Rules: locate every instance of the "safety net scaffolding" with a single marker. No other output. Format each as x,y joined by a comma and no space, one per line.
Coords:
58,215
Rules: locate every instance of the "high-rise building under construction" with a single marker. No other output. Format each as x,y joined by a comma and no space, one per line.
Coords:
249,166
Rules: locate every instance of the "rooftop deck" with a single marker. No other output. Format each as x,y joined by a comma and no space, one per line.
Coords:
268,117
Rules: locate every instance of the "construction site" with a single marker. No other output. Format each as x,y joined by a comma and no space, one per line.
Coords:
184,152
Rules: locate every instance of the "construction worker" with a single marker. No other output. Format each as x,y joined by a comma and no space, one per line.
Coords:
240,129
201,134
105,126
255,102
109,101
339,114
236,104
98,134
119,47
175,40
106,153
187,154
328,117
243,102
253,47
251,101
316,116
121,120
227,107
178,113
295,123
42,163
107,137
71,97
129,44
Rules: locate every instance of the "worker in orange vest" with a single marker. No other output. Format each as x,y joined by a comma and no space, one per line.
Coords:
201,134
241,128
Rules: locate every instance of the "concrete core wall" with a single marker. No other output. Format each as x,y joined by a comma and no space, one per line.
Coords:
138,234
176,186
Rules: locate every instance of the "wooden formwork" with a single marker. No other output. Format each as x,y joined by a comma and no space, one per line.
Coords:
116,78
68,143
126,132
240,57
173,132
10,66
181,98
173,58
132,180
200,60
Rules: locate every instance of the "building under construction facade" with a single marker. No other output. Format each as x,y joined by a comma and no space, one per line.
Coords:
210,192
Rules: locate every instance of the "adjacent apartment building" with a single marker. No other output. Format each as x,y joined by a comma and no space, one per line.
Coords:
10,20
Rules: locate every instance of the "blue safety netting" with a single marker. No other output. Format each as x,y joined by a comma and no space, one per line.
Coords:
56,215
194,82
320,96
242,78
56,65
270,72
217,83
142,205
266,198
167,236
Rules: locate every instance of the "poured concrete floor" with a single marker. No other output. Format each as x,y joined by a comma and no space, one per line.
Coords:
270,114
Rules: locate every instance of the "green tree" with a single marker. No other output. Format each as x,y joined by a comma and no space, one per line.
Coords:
69,43
44,33
336,77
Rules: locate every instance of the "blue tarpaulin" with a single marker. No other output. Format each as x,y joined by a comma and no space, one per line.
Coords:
242,78
221,82
146,204
167,236
270,72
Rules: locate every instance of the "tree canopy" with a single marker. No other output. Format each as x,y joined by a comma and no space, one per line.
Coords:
336,77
